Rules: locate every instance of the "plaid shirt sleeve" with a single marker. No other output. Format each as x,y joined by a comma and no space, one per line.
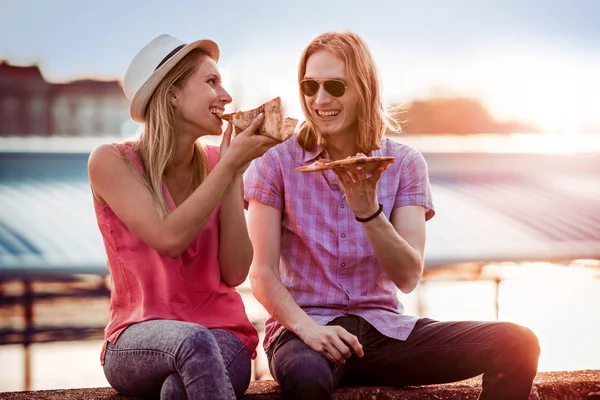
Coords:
414,189
263,181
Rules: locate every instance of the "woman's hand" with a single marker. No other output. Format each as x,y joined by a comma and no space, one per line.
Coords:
246,146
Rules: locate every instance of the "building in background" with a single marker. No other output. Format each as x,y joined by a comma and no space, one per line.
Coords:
31,106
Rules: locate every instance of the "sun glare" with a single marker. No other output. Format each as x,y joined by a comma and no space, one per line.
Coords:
557,94
557,302
551,301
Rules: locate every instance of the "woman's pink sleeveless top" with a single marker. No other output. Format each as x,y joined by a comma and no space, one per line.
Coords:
148,285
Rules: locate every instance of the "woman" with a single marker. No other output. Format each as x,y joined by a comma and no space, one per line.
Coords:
171,215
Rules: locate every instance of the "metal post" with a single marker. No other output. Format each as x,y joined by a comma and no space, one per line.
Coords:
27,336
420,299
496,300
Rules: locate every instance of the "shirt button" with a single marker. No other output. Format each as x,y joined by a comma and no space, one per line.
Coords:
343,206
343,235
343,264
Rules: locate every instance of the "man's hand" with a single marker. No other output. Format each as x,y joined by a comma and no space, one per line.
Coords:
333,342
361,191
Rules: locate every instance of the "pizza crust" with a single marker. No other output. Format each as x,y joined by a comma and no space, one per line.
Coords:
319,165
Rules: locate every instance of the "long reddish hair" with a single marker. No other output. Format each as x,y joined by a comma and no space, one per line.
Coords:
362,75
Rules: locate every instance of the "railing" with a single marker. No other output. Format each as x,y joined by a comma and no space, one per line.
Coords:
32,333
94,286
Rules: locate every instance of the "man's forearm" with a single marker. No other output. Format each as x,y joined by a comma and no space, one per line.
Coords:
279,303
398,258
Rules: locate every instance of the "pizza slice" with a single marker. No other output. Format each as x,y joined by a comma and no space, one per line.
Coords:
288,126
360,163
274,125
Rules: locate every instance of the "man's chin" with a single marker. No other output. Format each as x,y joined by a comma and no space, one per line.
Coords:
328,132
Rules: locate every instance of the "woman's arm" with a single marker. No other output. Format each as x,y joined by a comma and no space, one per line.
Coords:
114,183
235,248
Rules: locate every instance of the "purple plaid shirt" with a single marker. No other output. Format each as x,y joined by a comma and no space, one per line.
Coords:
327,262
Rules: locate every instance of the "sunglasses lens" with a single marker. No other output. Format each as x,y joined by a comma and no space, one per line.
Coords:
309,87
335,88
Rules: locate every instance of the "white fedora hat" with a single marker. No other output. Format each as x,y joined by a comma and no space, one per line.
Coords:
152,63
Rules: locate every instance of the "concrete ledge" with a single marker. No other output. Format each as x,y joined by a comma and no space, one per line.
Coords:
571,385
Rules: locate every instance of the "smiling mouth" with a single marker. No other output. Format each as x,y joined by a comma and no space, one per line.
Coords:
217,113
328,114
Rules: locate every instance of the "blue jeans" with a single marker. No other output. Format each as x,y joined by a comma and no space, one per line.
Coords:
177,360
435,352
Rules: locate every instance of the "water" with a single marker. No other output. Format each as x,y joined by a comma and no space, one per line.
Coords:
559,303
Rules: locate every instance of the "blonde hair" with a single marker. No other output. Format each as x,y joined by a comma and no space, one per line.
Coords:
156,141
363,77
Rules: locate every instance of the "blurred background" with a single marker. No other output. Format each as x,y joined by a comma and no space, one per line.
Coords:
501,97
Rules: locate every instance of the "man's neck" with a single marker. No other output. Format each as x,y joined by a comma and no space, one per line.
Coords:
339,147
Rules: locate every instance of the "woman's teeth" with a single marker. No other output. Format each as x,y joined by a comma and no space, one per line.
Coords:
216,111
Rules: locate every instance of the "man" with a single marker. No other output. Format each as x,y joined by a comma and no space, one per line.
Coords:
331,249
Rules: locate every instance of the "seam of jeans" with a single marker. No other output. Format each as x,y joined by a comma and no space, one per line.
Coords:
361,330
502,353
276,343
273,361
433,347
242,348
144,350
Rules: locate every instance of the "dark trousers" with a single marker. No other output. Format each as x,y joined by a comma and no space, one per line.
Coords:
435,352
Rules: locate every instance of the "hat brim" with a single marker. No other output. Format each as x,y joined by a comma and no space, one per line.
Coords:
137,108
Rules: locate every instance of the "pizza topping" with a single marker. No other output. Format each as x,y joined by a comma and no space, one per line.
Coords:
358,164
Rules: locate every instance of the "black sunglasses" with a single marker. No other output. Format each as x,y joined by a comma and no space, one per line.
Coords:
334,87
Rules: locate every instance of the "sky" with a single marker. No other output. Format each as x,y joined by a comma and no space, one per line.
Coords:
533,60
